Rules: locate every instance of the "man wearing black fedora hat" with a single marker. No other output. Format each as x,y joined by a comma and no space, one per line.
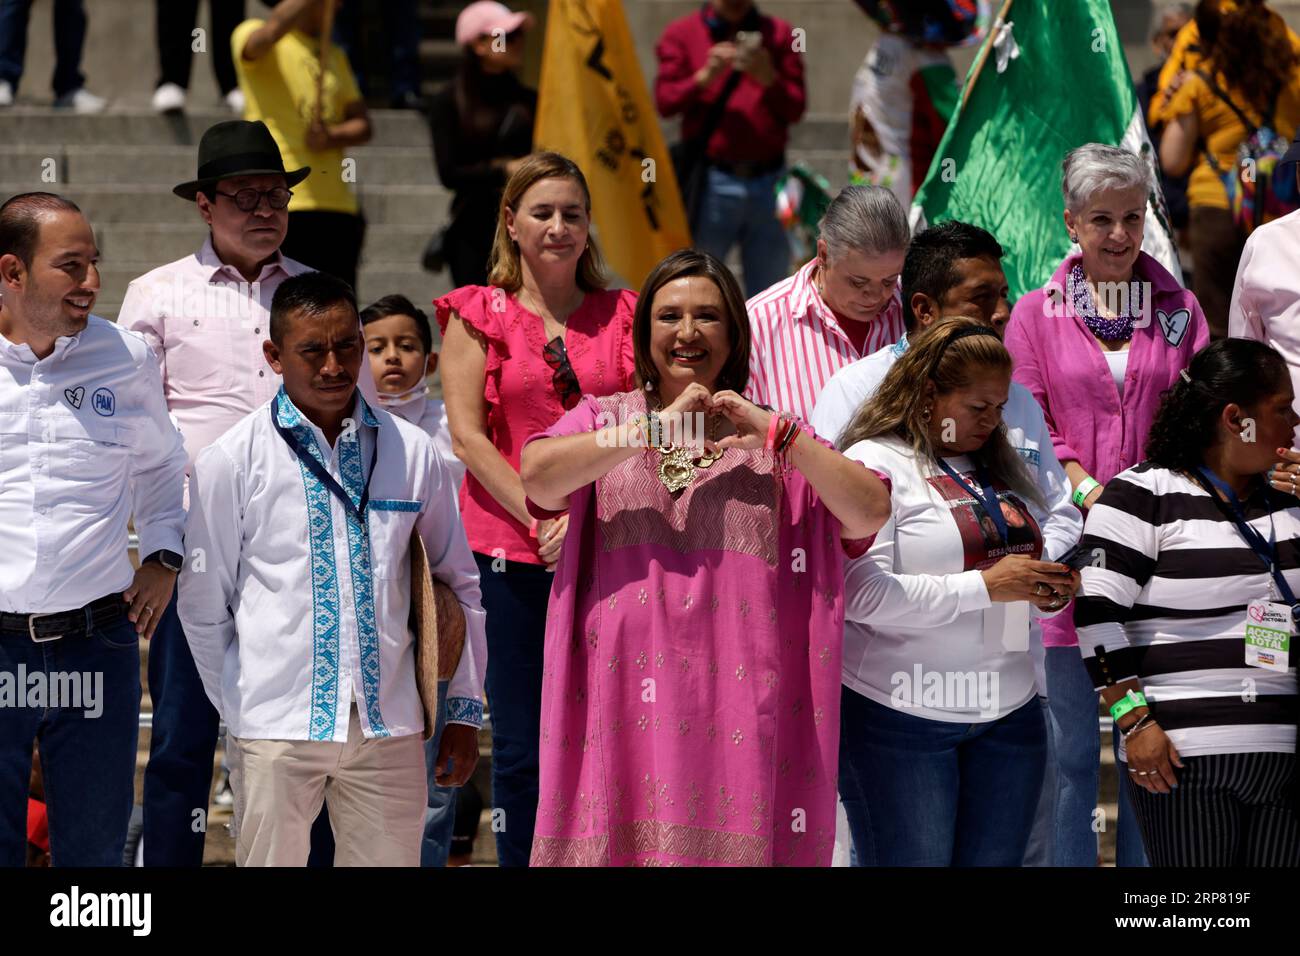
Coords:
206,316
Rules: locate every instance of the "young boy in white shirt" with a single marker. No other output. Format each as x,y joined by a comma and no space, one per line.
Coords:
399,343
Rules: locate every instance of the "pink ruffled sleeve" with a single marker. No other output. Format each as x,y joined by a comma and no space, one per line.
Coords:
474,305
624,313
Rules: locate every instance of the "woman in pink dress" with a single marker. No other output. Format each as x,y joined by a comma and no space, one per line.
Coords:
517,354
688,716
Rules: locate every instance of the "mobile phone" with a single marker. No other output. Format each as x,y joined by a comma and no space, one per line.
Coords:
1078,557
749,40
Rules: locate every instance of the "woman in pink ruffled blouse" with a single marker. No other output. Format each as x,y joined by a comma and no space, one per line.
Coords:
517,354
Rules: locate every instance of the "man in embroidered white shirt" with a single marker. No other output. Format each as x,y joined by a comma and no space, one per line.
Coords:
297,617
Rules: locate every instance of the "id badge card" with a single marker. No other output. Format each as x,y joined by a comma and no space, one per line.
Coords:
1006,628
1268,635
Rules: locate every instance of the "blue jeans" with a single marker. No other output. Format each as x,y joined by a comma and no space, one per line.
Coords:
1039,851
744,210
401,31
87,752
515,601
440,813
1072,702
69,38
178,777
921,792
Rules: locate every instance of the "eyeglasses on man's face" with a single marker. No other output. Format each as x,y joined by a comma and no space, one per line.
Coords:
248,199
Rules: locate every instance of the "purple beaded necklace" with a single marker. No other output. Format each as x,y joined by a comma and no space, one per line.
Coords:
1118,329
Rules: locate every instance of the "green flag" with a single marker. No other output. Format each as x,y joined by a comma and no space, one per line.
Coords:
1055,78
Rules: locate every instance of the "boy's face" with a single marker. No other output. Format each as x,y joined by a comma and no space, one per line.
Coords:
397,356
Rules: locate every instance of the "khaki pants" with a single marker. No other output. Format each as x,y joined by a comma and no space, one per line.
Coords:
375,789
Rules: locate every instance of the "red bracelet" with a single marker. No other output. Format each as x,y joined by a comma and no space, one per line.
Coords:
532,529
772,426
788,438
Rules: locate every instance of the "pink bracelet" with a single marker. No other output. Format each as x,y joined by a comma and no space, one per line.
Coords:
532,529
773,424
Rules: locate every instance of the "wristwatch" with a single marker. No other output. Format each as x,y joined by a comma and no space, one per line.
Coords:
168,559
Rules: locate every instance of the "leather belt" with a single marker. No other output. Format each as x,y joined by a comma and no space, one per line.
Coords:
50,627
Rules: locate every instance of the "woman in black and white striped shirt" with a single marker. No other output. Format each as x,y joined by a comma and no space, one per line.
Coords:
1181,548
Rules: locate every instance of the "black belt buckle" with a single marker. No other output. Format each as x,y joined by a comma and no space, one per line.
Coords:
31,628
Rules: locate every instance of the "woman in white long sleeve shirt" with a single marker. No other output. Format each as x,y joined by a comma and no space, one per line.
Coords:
942,741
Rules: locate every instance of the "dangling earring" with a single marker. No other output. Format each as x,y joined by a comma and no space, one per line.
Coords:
1074,237
925,415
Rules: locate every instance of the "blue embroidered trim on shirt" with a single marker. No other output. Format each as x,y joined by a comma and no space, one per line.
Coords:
901,345
465,710
324,582
363,595
394,504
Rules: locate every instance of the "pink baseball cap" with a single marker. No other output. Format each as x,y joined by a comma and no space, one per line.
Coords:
481,18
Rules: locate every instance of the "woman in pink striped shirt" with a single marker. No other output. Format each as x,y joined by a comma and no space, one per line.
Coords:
839,307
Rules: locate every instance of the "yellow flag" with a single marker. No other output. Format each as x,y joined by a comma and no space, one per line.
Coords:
593,106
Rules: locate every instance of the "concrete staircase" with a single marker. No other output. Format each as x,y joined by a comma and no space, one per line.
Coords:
120,168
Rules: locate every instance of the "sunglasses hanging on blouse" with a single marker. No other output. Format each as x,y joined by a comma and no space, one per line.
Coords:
564,379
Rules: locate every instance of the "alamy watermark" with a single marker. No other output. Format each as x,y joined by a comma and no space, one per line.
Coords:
650,431
71,690
946,690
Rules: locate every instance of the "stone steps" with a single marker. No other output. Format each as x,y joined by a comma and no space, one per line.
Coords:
149,165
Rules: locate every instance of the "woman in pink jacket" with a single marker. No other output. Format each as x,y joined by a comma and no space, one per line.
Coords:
1097,346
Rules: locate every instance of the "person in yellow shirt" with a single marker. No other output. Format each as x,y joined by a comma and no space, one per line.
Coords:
278,62
1245,66
1187,53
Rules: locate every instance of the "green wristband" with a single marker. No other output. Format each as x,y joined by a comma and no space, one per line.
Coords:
1129,701
1084,490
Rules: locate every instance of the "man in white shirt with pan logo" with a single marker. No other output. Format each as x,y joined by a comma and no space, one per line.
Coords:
298,622
85,445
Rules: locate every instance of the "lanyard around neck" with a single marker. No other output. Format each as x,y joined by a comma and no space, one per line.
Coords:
1266,550
985,495
311,463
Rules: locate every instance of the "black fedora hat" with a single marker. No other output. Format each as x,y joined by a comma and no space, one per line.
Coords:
238,148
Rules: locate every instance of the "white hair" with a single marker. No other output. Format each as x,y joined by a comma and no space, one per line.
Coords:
1094,167
866,219
1162,10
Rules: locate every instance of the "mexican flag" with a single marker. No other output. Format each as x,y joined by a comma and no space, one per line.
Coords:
1050,76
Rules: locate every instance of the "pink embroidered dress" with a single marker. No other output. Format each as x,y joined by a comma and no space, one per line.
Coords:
518,387
691,688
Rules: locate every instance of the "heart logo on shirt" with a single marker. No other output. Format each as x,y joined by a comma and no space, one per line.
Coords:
1174,324
75,395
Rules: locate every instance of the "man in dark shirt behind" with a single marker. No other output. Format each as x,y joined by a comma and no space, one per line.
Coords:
745,152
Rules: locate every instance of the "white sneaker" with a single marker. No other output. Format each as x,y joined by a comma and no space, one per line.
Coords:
81,101
6,93
235,100
169,98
